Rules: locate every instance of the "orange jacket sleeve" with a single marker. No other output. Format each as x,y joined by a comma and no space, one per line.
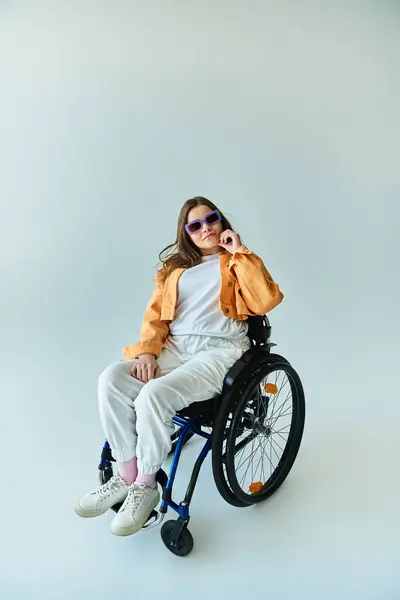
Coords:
257,288
153,331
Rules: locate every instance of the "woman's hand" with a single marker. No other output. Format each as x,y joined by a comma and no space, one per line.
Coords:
230,240
145,368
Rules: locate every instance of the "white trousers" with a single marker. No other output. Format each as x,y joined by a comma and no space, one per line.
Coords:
137,417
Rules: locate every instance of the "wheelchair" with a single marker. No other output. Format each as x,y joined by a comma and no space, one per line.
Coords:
259,415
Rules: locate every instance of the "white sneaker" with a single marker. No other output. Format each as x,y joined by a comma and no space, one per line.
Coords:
136,509
99,501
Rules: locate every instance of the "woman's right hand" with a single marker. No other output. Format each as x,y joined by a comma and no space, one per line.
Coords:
145,368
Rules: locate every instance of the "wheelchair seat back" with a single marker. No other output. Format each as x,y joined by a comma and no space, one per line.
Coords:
259,329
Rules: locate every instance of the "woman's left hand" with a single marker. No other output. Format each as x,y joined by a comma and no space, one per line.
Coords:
230,240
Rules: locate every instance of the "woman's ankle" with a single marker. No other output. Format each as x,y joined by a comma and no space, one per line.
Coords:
148,480
128,470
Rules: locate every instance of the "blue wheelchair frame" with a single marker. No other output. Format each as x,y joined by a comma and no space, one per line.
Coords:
186,426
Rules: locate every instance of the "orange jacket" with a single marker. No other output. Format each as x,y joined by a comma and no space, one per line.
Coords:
246,289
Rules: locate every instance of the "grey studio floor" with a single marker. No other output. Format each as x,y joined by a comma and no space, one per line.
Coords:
286,116
332,529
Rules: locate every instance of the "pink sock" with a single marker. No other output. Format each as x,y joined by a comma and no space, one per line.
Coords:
149,480
128,470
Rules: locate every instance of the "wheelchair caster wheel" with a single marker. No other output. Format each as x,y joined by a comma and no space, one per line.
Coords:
184,545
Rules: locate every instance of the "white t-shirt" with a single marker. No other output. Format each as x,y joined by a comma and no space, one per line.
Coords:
197,309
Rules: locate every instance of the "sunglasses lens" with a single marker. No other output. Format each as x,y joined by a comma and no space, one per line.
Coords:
195,226
212,218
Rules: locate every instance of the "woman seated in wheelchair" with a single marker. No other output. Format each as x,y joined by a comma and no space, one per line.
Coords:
193,331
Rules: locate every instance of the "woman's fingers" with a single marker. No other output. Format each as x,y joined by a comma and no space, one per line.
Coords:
136,371
145,371
150,372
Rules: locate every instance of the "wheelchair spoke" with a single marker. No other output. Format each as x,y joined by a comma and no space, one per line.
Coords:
284,411
248,458
270,456
281,405
277,398
254,473
242,449
258,451
252,461
281,436
269,459
276,454
261,448
280,388
248,466
261,457
282,429
275,442
263,444
253,441
262,462
289,412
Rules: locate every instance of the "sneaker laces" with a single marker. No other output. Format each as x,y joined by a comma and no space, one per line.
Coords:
136,494
113,485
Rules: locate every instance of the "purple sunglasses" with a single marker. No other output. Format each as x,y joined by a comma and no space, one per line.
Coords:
210,218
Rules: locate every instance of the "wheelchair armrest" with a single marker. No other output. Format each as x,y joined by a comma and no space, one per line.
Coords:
259,333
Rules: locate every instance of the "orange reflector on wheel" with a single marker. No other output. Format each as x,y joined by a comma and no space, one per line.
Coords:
255,487
271,388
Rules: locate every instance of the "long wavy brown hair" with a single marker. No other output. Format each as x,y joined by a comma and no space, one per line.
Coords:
183,252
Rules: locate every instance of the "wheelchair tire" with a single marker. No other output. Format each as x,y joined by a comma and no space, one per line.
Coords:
237,419
185,543
219,468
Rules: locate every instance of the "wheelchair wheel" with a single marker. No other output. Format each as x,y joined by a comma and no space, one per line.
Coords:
184,545
259,435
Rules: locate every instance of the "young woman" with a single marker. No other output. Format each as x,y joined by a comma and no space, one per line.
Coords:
193,331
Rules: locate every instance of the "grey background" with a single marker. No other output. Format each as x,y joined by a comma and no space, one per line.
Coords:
287,116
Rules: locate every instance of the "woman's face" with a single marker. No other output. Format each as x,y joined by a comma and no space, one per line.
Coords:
207,238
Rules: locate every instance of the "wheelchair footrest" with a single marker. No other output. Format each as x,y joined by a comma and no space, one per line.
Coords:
154,520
